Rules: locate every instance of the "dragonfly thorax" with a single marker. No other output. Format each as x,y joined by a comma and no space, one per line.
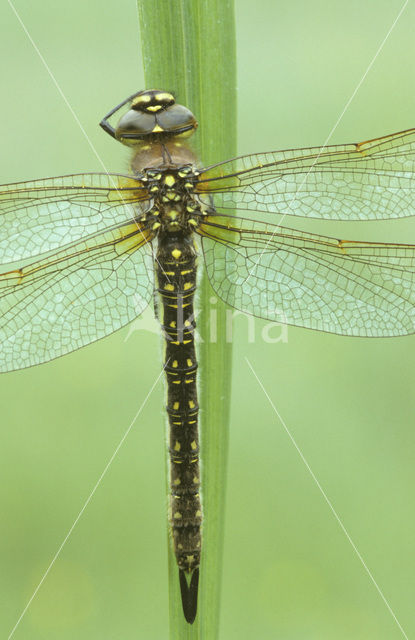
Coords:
175,206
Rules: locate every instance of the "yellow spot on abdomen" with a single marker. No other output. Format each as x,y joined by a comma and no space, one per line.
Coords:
176,253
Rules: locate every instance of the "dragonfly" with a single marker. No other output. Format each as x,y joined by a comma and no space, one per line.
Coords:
84,254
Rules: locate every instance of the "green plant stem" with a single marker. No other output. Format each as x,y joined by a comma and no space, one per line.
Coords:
189,49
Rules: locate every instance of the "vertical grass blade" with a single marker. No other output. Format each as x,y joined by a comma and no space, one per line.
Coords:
189,49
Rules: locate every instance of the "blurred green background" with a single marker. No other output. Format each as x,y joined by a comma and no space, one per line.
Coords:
289,570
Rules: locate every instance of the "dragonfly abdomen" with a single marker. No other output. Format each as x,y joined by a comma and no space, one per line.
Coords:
176,275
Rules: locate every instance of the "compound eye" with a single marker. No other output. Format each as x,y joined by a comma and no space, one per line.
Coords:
177,120
139,123
135,124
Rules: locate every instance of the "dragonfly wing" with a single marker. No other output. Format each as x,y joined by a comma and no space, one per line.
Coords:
49,214
74,297
312,281
371,180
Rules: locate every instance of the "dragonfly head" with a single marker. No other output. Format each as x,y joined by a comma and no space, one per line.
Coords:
154,115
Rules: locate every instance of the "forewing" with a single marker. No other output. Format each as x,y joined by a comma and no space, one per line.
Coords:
370,180
76,296
317,282
49,214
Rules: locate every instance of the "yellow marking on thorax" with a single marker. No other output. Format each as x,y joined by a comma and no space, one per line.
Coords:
176,253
